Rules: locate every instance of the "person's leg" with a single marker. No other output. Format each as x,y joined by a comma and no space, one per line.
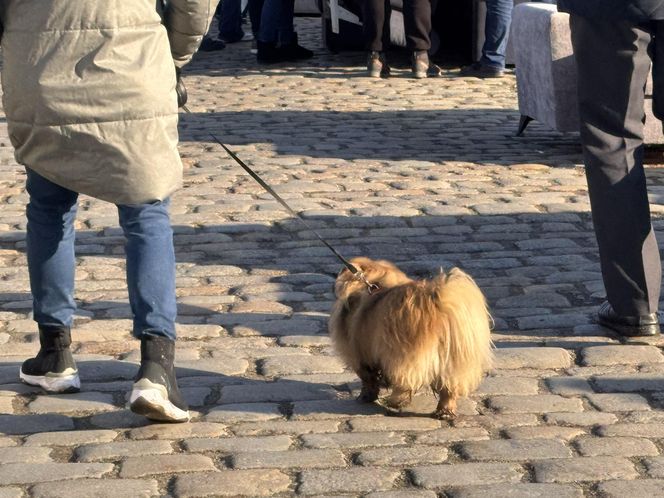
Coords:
255,11
51,213
230,21
151,285
375,24
150,268
613,65
417,23
496,32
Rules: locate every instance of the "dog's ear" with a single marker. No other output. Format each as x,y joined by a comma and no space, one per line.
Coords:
351,302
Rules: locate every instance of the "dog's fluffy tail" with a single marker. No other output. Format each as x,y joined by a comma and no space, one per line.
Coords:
440,337
466,350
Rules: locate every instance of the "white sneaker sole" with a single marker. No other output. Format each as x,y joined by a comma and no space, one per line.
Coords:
66,382
151,401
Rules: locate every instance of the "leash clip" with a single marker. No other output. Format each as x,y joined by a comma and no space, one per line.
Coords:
371,288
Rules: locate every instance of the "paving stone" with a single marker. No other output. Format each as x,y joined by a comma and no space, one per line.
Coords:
99,488
569,386
580,419
499,421
352,440
337,408
583,469
287,427
226,365
239,444
402,493
519,490
73,403
628,382
274,392
465,474
244,412
545,432
116,450
164,464
304,459
448,435
367,424
508,385
404,456
618,402
655,466
6,405
609,446
652,488
354,480
28,473
540,358
29,424
24,455
514,450
178,431
632,430
11,492
297,364
544,403
232,483
70,438
620,355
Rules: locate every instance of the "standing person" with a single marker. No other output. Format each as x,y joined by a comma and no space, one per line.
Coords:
229,19
496,34
277,40
376,29
614,42
90,99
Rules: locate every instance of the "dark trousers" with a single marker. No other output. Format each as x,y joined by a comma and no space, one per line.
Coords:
613,60
376,24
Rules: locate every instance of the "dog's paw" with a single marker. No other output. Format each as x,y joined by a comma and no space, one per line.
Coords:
367,396
444,414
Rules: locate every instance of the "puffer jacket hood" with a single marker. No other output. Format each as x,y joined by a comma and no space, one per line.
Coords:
89,91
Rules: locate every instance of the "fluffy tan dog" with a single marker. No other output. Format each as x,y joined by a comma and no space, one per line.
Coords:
411,334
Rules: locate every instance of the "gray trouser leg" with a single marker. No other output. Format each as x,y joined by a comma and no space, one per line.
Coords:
613,64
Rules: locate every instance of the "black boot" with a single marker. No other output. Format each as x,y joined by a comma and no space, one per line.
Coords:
294,51
53,369
155,393
268,53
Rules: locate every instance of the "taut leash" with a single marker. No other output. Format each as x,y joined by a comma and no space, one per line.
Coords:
371,287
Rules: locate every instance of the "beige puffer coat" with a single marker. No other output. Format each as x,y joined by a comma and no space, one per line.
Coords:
89,91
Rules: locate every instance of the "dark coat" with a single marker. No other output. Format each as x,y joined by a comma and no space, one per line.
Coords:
633,10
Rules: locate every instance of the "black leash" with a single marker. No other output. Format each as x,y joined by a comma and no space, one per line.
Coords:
358,274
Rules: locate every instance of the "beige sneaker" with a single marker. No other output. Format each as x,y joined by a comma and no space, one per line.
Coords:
377,65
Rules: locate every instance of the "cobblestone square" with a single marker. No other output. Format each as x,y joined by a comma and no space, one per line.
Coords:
427,173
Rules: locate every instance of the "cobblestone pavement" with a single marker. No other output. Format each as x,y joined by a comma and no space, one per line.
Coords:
426,173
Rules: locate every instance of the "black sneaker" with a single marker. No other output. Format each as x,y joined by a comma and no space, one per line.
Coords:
628,326
53,369
295,52
479,70
211,44
268,53
155,393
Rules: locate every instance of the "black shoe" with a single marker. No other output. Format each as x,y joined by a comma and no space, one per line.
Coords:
268,53
53,369
628,326
295,52
211,44
479,70
155,393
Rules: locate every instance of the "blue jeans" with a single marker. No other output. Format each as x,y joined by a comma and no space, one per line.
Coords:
51,259
277,22
230,20
496,32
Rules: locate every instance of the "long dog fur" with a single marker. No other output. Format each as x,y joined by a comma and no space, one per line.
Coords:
412,334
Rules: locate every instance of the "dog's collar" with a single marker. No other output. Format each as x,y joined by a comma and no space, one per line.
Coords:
371,287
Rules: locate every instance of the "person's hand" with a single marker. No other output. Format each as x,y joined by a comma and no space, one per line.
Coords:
180,89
